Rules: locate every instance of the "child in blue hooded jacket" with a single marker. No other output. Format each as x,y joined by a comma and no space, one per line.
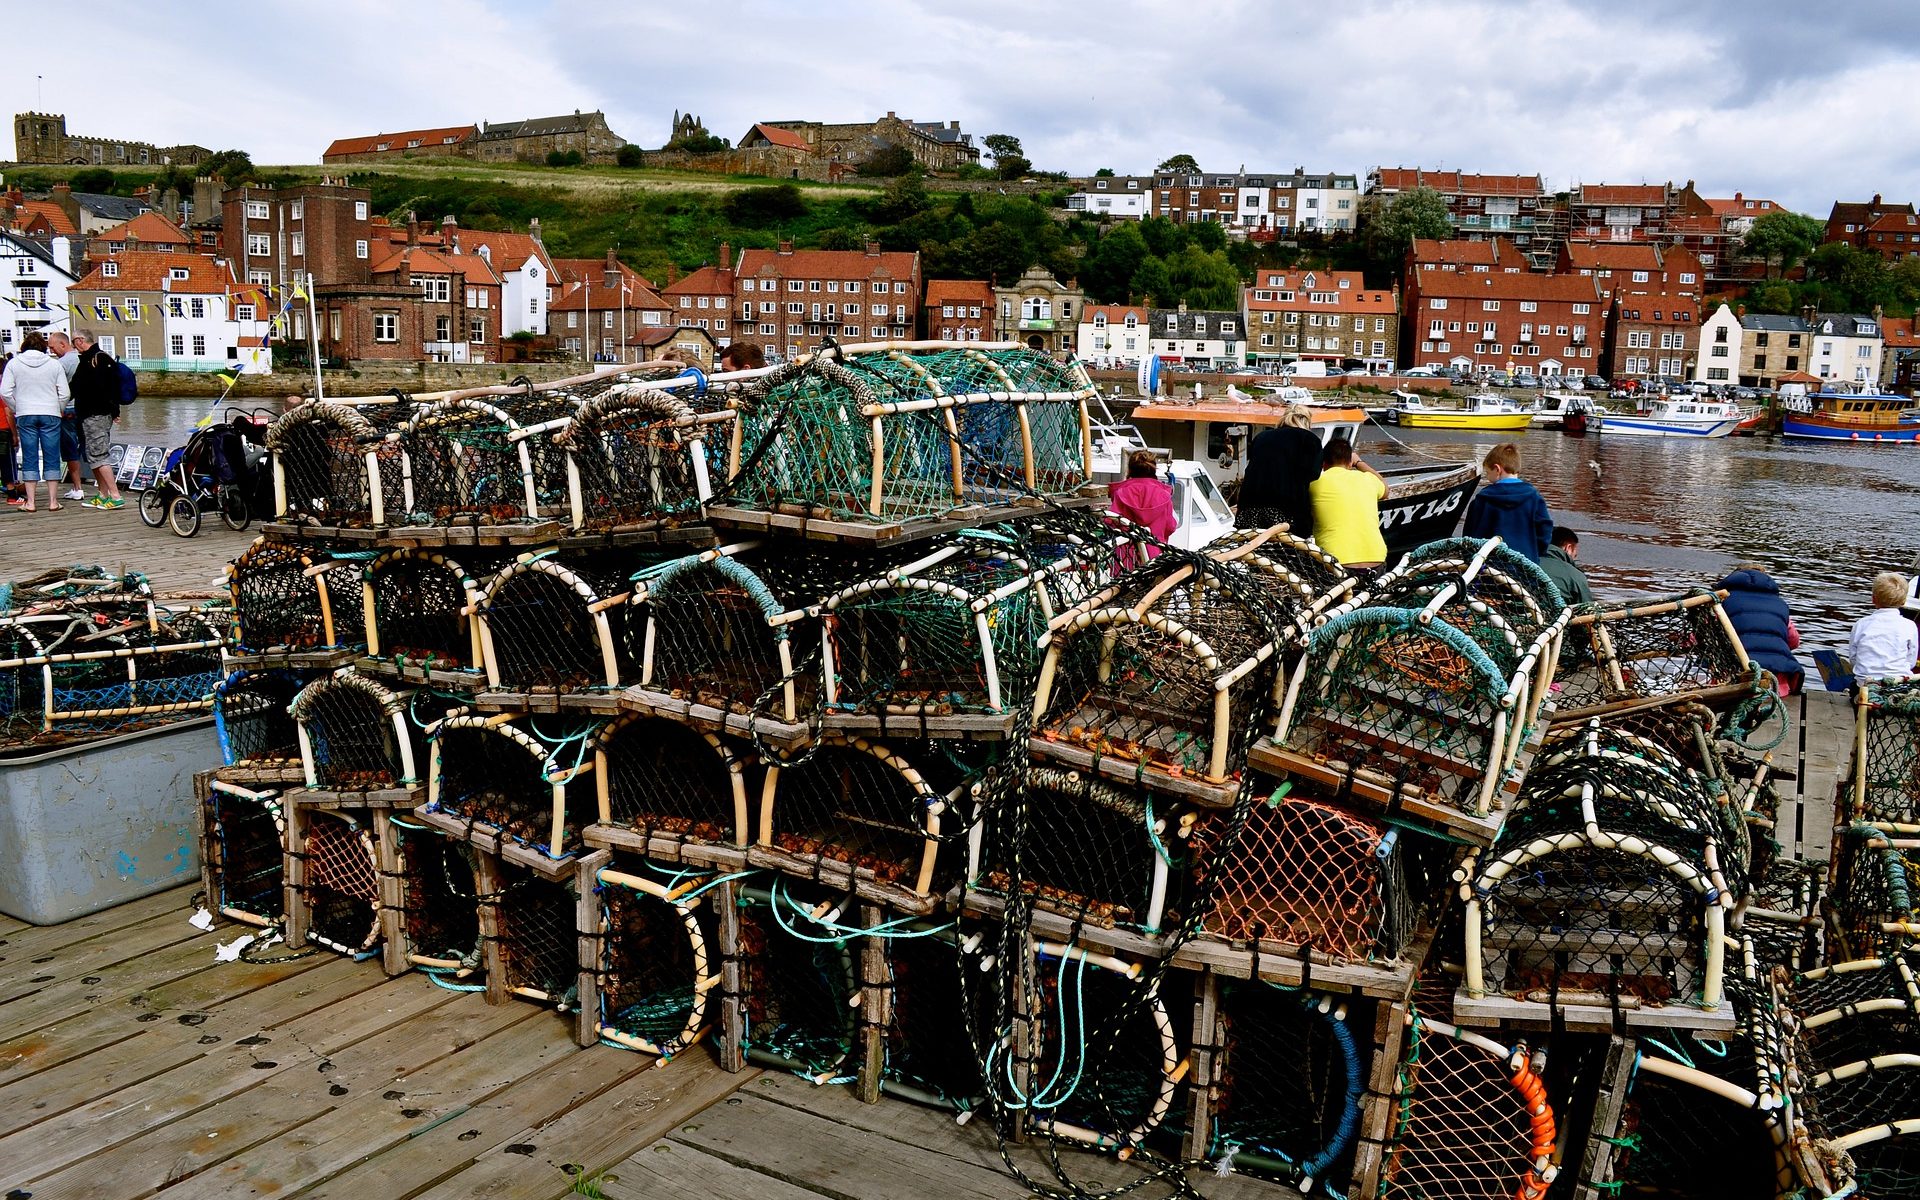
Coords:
1509,507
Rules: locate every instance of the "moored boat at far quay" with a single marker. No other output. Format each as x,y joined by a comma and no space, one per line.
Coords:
1678,416
1849,417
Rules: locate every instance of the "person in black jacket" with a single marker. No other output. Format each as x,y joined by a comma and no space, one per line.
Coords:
96,404
1765,625
1281,462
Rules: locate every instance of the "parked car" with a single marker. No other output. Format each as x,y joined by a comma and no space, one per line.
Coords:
1594,383
1422,373
1526,379
1500,379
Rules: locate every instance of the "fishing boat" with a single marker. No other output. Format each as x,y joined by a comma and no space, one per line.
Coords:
1845,417
1205,445
1678,416
1481,411
1582,417
1554,407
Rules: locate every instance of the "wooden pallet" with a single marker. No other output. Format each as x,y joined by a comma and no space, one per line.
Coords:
899,531
1192,788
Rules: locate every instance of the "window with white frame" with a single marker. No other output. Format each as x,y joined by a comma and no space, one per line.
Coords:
259,245
360,248
436,287
177,345
297,243
359,210
133,308
256,210
199,345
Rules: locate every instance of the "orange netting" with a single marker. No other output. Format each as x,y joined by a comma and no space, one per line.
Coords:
1468,1124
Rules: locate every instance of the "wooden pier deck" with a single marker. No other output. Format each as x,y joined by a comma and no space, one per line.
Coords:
33,542
132,1064
1819,747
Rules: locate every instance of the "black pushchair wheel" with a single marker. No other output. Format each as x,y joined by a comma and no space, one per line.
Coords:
233,506
183,516
153,506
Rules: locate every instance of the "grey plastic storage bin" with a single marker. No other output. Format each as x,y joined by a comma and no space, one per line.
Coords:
83,828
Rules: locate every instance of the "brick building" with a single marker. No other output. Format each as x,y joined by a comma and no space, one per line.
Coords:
1752,349
451,141
1329,316
1208,338
1494,321
1039,310
179,309
1623,268
1261,205
1463,254
43,138
1511,207
1900,363
959,310
1893,236
274,236
148,231
681,343
1849,220
788,301
1652,335
704,299
603,308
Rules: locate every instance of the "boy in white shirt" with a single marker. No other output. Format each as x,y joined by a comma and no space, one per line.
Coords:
1884,643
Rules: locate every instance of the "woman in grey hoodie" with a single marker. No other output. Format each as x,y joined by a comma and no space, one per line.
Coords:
35,388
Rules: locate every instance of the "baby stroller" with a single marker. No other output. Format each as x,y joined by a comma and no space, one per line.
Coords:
213,472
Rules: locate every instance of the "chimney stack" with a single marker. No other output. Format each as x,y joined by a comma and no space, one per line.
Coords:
873,249
533,229
610,274
786,247
413,229
726,256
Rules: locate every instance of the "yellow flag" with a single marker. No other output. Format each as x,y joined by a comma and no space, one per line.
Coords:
228,380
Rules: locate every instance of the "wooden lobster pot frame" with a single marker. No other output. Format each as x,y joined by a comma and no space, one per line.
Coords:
436,887
542,939
883,820
1692,1133
333,879
506,776
338,465
1612,918
1306,879
1876,890
1167,669
62,672
1886,755
671,792
548,623
359,737
639,455
250,713
419,612
950,634
1406,713
1471,1117
796,1003
1093,852
243,847
885,436
932,990
466,459
1619,657
713,631
291,604
1279,1080
658,962
1106,1060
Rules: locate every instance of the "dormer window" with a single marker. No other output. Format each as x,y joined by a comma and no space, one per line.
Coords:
110,270
178,273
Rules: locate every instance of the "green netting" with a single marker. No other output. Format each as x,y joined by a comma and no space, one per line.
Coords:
1876,892
800,983
659,956
1887,779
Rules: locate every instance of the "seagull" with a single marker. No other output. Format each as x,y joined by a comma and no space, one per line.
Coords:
1594,464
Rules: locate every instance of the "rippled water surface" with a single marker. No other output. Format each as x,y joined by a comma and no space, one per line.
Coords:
1655,515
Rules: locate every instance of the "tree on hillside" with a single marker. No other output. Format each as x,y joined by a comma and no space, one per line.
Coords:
1180,164
1208,235
1390,226
97,180
888,161
1110,265
1009,160
1153,284
764,206
1205,279
1859,278
234,166
1163,236
904,197
629,155
1783,237
843,237
1104,173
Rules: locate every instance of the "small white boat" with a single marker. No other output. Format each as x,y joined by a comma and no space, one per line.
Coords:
1554,407
1678,416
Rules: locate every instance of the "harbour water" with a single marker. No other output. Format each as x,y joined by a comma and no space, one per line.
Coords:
1655,515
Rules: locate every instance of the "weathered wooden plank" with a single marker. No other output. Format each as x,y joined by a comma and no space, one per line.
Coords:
633,1114
42,939
368,1123
59,980
433,1154
118,541
365,1034
123,1050
671,1168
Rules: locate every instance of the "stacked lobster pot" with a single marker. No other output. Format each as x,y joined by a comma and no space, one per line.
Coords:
1858,1024
1876,876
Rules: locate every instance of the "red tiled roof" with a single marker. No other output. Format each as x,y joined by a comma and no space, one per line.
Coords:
1899,331
1740,206
423,260
510,251
1353,298
829,264
1399,179
151,271
1116,314
1641,194
1890,222
707,281
1612,256
1693,223
639,295
150,228
1661,308
785,138
1457,251
579,270
396,143
1501,285
966,291
56,216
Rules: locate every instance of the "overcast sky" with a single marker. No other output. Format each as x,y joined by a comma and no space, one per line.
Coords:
1801,103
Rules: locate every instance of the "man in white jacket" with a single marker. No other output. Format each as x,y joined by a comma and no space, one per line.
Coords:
35,388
